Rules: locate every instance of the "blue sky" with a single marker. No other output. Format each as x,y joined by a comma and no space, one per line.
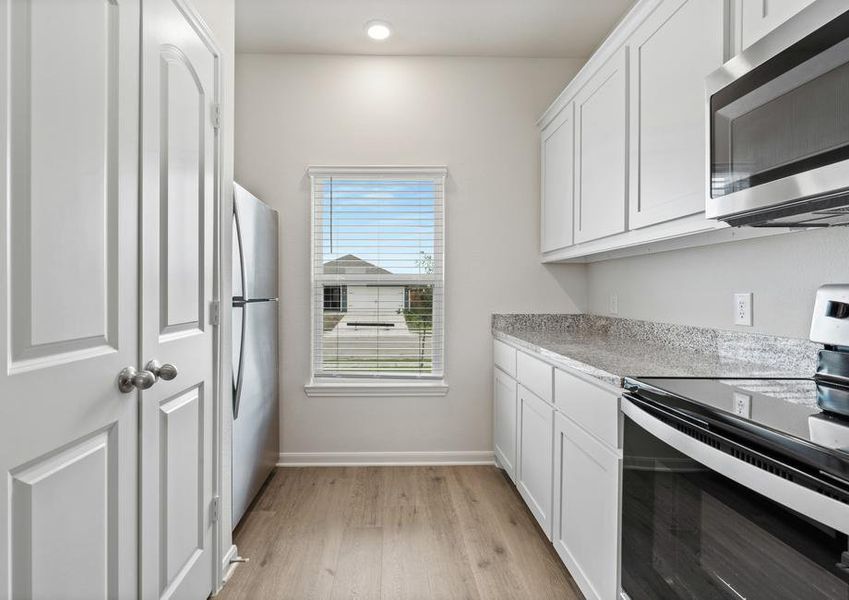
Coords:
388,223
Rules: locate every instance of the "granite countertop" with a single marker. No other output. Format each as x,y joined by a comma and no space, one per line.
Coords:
611,348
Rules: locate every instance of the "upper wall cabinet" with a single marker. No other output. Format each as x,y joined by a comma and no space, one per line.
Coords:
557,153
759,17
633,178
670,55
601,168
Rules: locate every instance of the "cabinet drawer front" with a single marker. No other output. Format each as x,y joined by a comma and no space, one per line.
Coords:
590,406
504,357
534,375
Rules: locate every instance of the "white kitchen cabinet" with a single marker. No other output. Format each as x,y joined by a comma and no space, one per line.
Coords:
670,54
535,374
535,446
586,519
557,152
601,161
757,18
504,357
505,410
592,405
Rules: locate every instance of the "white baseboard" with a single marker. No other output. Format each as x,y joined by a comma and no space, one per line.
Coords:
369,459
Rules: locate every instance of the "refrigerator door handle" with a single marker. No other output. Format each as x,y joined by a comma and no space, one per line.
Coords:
241,249
238,375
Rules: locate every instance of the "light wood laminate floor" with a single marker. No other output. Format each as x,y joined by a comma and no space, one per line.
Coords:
394,533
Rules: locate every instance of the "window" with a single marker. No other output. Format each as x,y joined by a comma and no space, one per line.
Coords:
335,298
377,275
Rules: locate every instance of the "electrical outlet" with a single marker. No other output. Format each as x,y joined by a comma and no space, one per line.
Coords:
743,405
614,304
743,309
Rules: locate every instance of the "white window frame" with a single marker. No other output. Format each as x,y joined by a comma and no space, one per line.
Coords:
383,385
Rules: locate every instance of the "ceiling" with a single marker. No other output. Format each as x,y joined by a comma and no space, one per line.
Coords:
527,28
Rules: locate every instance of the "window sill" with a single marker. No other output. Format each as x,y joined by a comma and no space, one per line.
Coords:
370,389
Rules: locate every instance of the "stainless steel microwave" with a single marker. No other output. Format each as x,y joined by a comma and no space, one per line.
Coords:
778,125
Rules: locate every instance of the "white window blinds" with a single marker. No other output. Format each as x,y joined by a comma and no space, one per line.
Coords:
377,272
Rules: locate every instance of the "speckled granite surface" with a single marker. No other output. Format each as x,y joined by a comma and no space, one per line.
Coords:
609,349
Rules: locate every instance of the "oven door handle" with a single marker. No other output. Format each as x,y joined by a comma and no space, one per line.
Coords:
821,508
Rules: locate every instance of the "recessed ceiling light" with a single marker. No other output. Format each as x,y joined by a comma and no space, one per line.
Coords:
378,30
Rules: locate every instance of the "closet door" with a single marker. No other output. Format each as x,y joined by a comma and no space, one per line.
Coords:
180,69
68,307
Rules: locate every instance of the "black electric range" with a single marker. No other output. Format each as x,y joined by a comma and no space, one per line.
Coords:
778,418
739,488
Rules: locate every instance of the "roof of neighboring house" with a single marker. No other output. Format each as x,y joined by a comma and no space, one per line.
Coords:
352,265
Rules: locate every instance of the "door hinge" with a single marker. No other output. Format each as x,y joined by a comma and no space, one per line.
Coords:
216,116
215,509
214,313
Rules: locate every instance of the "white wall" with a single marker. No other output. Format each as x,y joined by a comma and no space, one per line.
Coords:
475,115
220,16
696,286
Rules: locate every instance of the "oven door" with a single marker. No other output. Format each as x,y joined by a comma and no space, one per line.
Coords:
699,523
778,119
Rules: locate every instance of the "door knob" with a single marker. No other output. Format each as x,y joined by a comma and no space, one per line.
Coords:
166,371
130,379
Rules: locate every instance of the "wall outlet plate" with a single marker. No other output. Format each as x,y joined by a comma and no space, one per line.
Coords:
614,304
743,405
743,309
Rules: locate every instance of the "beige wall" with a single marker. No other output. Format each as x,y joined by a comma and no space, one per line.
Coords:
474,115
696,286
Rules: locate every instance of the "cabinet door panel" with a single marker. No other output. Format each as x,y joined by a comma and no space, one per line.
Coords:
536,422
601,155
586,509
504,409
670,56
558,169
759,17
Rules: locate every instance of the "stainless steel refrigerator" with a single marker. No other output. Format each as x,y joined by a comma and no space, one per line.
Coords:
256,421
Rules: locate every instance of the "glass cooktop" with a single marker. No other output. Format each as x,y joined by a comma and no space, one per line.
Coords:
786,406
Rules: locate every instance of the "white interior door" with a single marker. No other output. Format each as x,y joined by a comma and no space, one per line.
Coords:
68,308
179,169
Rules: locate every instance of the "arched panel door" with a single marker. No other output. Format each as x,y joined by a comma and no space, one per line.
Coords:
179,195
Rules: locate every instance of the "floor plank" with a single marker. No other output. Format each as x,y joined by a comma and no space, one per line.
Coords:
394,533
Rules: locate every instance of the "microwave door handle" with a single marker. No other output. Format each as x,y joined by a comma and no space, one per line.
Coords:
238,376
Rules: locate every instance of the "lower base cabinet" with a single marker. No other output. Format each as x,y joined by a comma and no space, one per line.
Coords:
561,446
535,438
504,425
586,509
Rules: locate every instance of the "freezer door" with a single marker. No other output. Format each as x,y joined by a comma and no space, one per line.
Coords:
238,257
256,438
257,236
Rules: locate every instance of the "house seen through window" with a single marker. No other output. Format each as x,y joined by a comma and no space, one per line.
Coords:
378,273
